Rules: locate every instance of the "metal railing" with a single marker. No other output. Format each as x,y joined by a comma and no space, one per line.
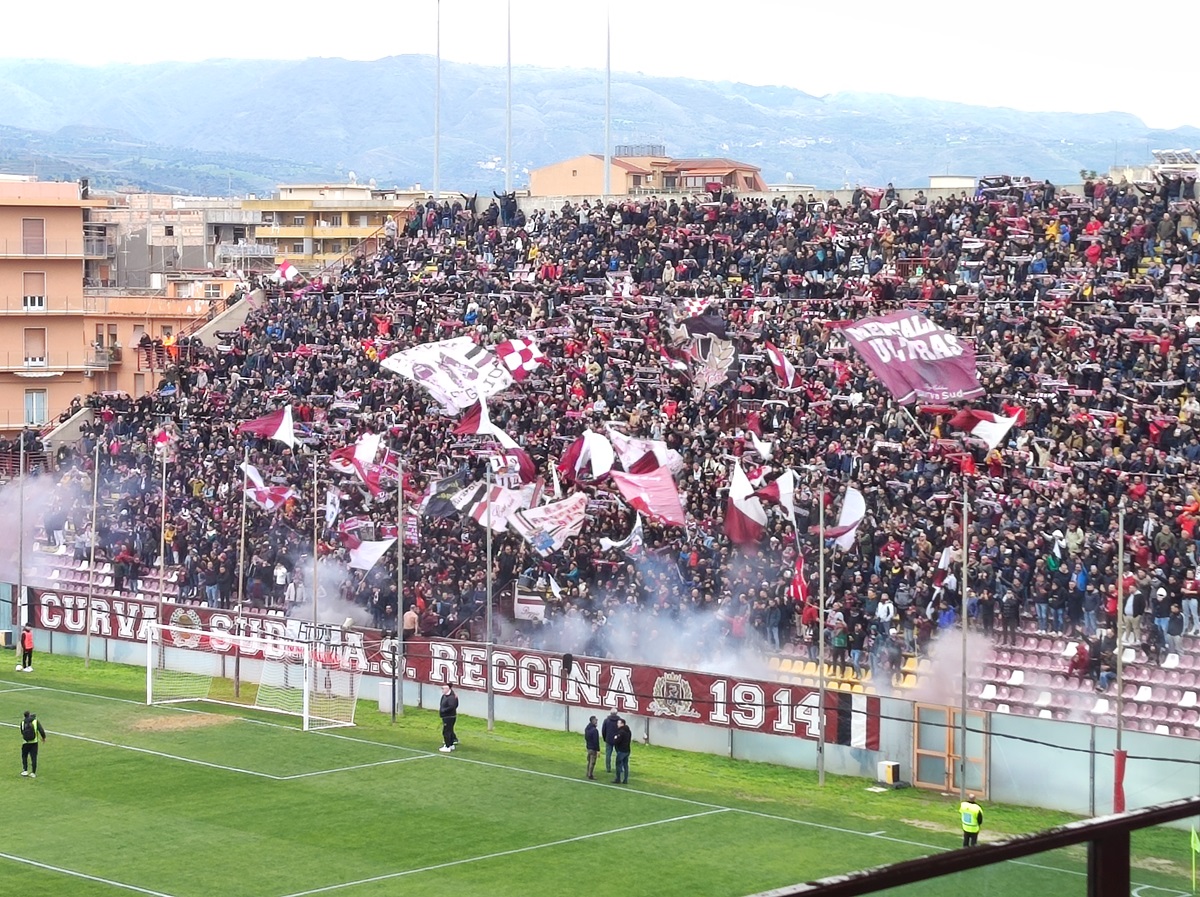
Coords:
68,248
1107,839
80,360
50,305
232,251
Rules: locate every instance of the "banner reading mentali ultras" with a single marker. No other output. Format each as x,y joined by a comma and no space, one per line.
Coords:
726,701
914,358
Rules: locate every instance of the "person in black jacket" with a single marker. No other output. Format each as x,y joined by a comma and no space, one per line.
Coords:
621,744
608,731
591,740
31,732
448,711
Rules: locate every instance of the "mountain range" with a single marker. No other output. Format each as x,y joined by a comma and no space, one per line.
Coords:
243,126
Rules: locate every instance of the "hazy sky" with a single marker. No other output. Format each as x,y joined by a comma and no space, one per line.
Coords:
1050,56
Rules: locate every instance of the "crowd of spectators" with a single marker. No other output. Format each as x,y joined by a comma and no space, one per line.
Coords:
1084,311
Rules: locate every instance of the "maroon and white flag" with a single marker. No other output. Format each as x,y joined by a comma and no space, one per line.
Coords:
984,425
276,425
781,491
789,377
653,493
914,358
745,517
520,356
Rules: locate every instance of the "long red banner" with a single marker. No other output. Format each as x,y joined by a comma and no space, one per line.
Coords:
747,704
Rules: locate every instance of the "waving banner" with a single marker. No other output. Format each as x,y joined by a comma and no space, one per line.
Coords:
915,358
456,372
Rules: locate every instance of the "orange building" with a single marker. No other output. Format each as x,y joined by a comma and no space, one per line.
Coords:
60,340
643,170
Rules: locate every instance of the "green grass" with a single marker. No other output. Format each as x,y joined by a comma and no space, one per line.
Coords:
206,801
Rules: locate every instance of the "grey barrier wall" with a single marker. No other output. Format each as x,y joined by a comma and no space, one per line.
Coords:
1034,762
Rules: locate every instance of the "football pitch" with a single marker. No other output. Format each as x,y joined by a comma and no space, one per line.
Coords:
200,801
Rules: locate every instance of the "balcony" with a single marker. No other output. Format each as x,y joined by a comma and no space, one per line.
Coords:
46,306
51,365
103,357
72,248
96,248
318,231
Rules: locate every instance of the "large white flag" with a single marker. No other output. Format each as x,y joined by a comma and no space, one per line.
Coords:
547,528
456,372
367,554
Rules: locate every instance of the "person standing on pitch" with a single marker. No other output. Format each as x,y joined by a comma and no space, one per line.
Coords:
26,664
607,732
448,711
971,815
591,740
621,743
31,731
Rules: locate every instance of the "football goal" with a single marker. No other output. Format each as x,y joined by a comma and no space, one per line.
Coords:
267,673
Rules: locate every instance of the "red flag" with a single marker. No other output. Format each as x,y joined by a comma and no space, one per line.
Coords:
654,494
798,589
789,377
991,428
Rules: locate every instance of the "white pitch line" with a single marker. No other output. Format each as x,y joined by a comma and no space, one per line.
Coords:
140,750
551,775
502,853
326,772
71,872
5,691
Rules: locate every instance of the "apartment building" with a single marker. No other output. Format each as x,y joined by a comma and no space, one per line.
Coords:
61,338
644,169
315,225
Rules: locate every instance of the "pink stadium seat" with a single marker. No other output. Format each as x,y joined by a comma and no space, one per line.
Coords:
1129,691
1145,711
1175,715
1160,713
1174,695
1191,716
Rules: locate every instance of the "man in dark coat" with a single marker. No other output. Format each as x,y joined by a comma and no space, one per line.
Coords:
591,740
448,711
621,744
608,731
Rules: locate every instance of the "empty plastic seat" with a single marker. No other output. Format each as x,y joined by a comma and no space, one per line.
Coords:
1016,677
988,692
1101,706
1144,693
1188,699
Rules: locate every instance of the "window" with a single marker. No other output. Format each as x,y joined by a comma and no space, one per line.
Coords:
298,249
212,291
35,407
669,180
168,230
637,180
35,347
33,236
112,334
335,220
33,290
335,247
298,221
139,330
574,172
167,330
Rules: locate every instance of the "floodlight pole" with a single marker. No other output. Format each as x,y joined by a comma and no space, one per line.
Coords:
491,691
608,100
508,178
437,108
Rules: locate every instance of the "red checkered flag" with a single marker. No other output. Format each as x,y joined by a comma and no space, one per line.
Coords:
520,356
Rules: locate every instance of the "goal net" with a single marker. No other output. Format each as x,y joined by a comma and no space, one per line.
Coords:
278,675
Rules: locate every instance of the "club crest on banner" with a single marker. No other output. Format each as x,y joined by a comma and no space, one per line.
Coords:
185,619
673,697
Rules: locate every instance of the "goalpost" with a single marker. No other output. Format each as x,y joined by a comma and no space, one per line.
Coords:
278,675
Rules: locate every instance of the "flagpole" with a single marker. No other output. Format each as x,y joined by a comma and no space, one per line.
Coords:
962,758
398,653
491,691
1118,786
821,629
315,531
162,537
237,654
22,605
87,639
